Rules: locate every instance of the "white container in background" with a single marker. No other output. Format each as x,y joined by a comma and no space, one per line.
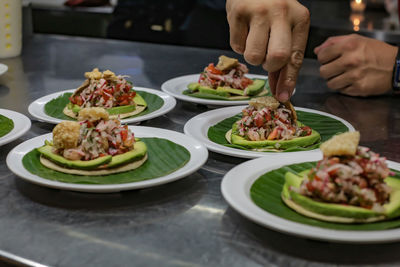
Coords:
10,28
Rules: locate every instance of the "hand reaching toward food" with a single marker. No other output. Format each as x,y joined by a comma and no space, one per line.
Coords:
272,33
356,65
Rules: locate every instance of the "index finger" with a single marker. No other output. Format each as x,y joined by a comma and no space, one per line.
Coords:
288,74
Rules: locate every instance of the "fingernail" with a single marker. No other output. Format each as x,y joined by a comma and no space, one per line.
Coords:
283,96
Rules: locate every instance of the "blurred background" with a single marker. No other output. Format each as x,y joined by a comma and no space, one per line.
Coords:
199,23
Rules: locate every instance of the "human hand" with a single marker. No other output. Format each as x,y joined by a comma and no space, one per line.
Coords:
272,33
356,65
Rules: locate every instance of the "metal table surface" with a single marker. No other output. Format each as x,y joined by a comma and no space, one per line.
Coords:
184,223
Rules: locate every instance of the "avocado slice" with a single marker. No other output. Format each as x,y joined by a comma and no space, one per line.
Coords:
138,152
47,152
226,92
106,162
392,209
111,111
139,100
115,110
209,90
230,90
302,141
121,109
255,88
193,86
75,108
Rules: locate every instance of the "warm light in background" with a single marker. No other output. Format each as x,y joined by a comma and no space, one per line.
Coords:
358,5
356,20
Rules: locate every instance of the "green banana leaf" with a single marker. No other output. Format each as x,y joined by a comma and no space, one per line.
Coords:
218,97
324,125
6,125
55,107
266,193
164,157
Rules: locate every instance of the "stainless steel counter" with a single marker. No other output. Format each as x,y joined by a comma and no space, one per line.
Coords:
184,223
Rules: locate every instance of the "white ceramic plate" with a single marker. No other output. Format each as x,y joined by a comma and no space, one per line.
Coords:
36,108
22,124
3,69
177,85
198,156
237,193
197,127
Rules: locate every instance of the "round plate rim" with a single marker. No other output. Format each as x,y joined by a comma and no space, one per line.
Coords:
22,124
198,156
197,127
240,201
36,108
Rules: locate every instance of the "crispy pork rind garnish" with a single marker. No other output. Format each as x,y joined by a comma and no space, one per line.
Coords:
95,74
226,63
344,144
66,134
289,106
93,114
265,101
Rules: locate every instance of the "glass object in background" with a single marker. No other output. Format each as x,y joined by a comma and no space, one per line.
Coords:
391,22
10,28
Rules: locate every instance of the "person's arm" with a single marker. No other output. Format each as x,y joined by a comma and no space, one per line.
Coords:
272,33
357,65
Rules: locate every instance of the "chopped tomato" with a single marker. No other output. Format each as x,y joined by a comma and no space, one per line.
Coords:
246,82
307,130
310,187
259,120
89,124
267,117
124,102
274,134
332,172
211,68
77,100
124,134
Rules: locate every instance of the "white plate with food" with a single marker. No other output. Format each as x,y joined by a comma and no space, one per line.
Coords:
225,83
12,125
178,85
220,121
107,90
242,197
3,68
37,108
187,154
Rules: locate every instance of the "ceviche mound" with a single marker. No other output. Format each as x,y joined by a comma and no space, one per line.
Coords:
267,124
106,90
93,145
351,184
226,81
